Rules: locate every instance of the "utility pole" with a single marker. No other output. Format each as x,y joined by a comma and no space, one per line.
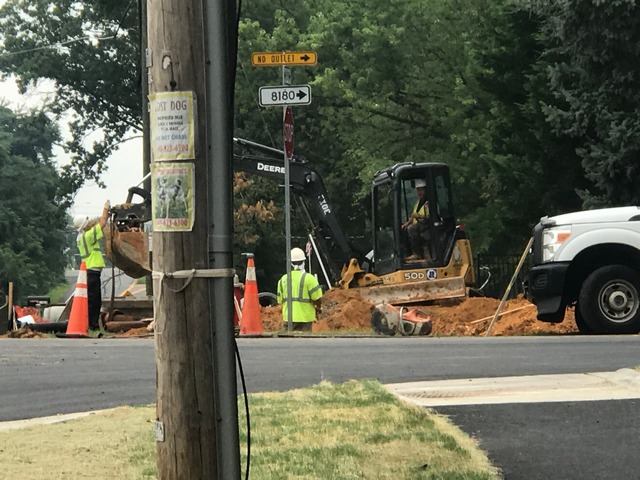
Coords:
191,143
144,87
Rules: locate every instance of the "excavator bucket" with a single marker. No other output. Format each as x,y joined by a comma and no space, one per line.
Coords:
128,250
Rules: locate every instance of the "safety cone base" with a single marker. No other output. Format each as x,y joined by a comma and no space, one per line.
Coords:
71,335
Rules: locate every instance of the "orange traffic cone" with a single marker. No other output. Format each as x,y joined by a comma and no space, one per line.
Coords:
251,323
78,326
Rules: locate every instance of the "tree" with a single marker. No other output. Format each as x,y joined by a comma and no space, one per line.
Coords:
521,168
32,217
81,48
594,77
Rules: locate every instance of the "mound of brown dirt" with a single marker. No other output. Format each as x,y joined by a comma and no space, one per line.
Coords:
474,316
347,310
24,332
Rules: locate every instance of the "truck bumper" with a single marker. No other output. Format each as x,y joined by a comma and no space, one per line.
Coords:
545,288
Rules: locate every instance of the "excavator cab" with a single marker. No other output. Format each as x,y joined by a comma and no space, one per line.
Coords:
394,197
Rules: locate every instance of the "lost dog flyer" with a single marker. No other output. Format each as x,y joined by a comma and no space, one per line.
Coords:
172,126
172,196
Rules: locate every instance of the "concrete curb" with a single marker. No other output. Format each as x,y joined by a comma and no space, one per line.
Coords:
617,385
31,422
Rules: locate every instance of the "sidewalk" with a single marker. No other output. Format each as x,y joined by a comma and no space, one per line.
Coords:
621,384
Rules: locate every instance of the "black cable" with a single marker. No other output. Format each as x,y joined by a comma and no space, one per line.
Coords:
115,34
246,408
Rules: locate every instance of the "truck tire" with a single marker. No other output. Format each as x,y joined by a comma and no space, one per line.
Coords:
583,328
609,300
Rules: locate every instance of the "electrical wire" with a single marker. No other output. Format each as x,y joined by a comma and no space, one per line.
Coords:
73,40
252,89
246,408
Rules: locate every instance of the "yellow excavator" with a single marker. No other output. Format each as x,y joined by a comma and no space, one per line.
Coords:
384,275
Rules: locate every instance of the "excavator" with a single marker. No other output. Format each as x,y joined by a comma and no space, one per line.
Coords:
384,275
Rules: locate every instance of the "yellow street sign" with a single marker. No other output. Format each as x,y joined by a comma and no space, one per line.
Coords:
274,59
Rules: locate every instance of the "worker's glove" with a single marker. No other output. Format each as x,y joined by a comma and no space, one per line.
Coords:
107,205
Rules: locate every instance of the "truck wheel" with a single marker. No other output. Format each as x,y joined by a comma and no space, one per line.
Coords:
610,300
583,328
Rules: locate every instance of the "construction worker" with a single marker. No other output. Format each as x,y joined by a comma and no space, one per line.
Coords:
417,227
89,234
305,294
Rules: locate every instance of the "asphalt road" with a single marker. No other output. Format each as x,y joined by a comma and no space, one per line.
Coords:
528,441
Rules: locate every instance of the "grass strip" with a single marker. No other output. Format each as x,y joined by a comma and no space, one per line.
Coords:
354,430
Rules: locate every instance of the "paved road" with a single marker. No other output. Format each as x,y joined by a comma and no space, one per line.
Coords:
563,441
528,441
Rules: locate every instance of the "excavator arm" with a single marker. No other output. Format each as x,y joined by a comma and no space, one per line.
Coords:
306,183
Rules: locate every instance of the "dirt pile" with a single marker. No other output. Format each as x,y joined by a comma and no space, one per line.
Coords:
24,332
346,310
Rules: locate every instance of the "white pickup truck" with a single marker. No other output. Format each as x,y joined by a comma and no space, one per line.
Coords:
590,260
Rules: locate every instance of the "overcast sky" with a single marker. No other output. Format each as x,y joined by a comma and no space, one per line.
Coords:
124,166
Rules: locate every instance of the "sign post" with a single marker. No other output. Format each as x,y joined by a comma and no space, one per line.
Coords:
287,129
285,96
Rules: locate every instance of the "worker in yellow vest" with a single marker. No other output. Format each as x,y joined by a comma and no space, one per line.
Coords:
305,294
417,227
89,234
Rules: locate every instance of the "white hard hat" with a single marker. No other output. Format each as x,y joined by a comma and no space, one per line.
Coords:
297,255
79,221
420,183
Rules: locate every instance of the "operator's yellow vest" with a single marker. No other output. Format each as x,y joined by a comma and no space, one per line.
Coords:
89,248
304,290
423,210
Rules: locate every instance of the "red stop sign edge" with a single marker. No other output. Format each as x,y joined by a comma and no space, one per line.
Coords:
287,130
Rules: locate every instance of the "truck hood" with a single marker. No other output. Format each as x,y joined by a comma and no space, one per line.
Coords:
608,215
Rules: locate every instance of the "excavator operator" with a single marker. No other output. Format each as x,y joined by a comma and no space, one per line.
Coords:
417,227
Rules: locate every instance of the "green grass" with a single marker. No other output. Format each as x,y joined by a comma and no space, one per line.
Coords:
356,430
56,293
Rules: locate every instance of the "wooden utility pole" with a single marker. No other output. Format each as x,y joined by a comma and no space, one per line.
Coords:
197,424
144,87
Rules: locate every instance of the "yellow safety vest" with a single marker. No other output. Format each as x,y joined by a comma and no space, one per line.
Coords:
89,247
304,291
423,210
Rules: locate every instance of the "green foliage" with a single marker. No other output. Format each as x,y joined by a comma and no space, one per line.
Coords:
32,219
530,102
57,293
594,77
521,169
82,48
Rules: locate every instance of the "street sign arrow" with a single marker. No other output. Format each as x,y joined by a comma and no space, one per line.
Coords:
285,95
